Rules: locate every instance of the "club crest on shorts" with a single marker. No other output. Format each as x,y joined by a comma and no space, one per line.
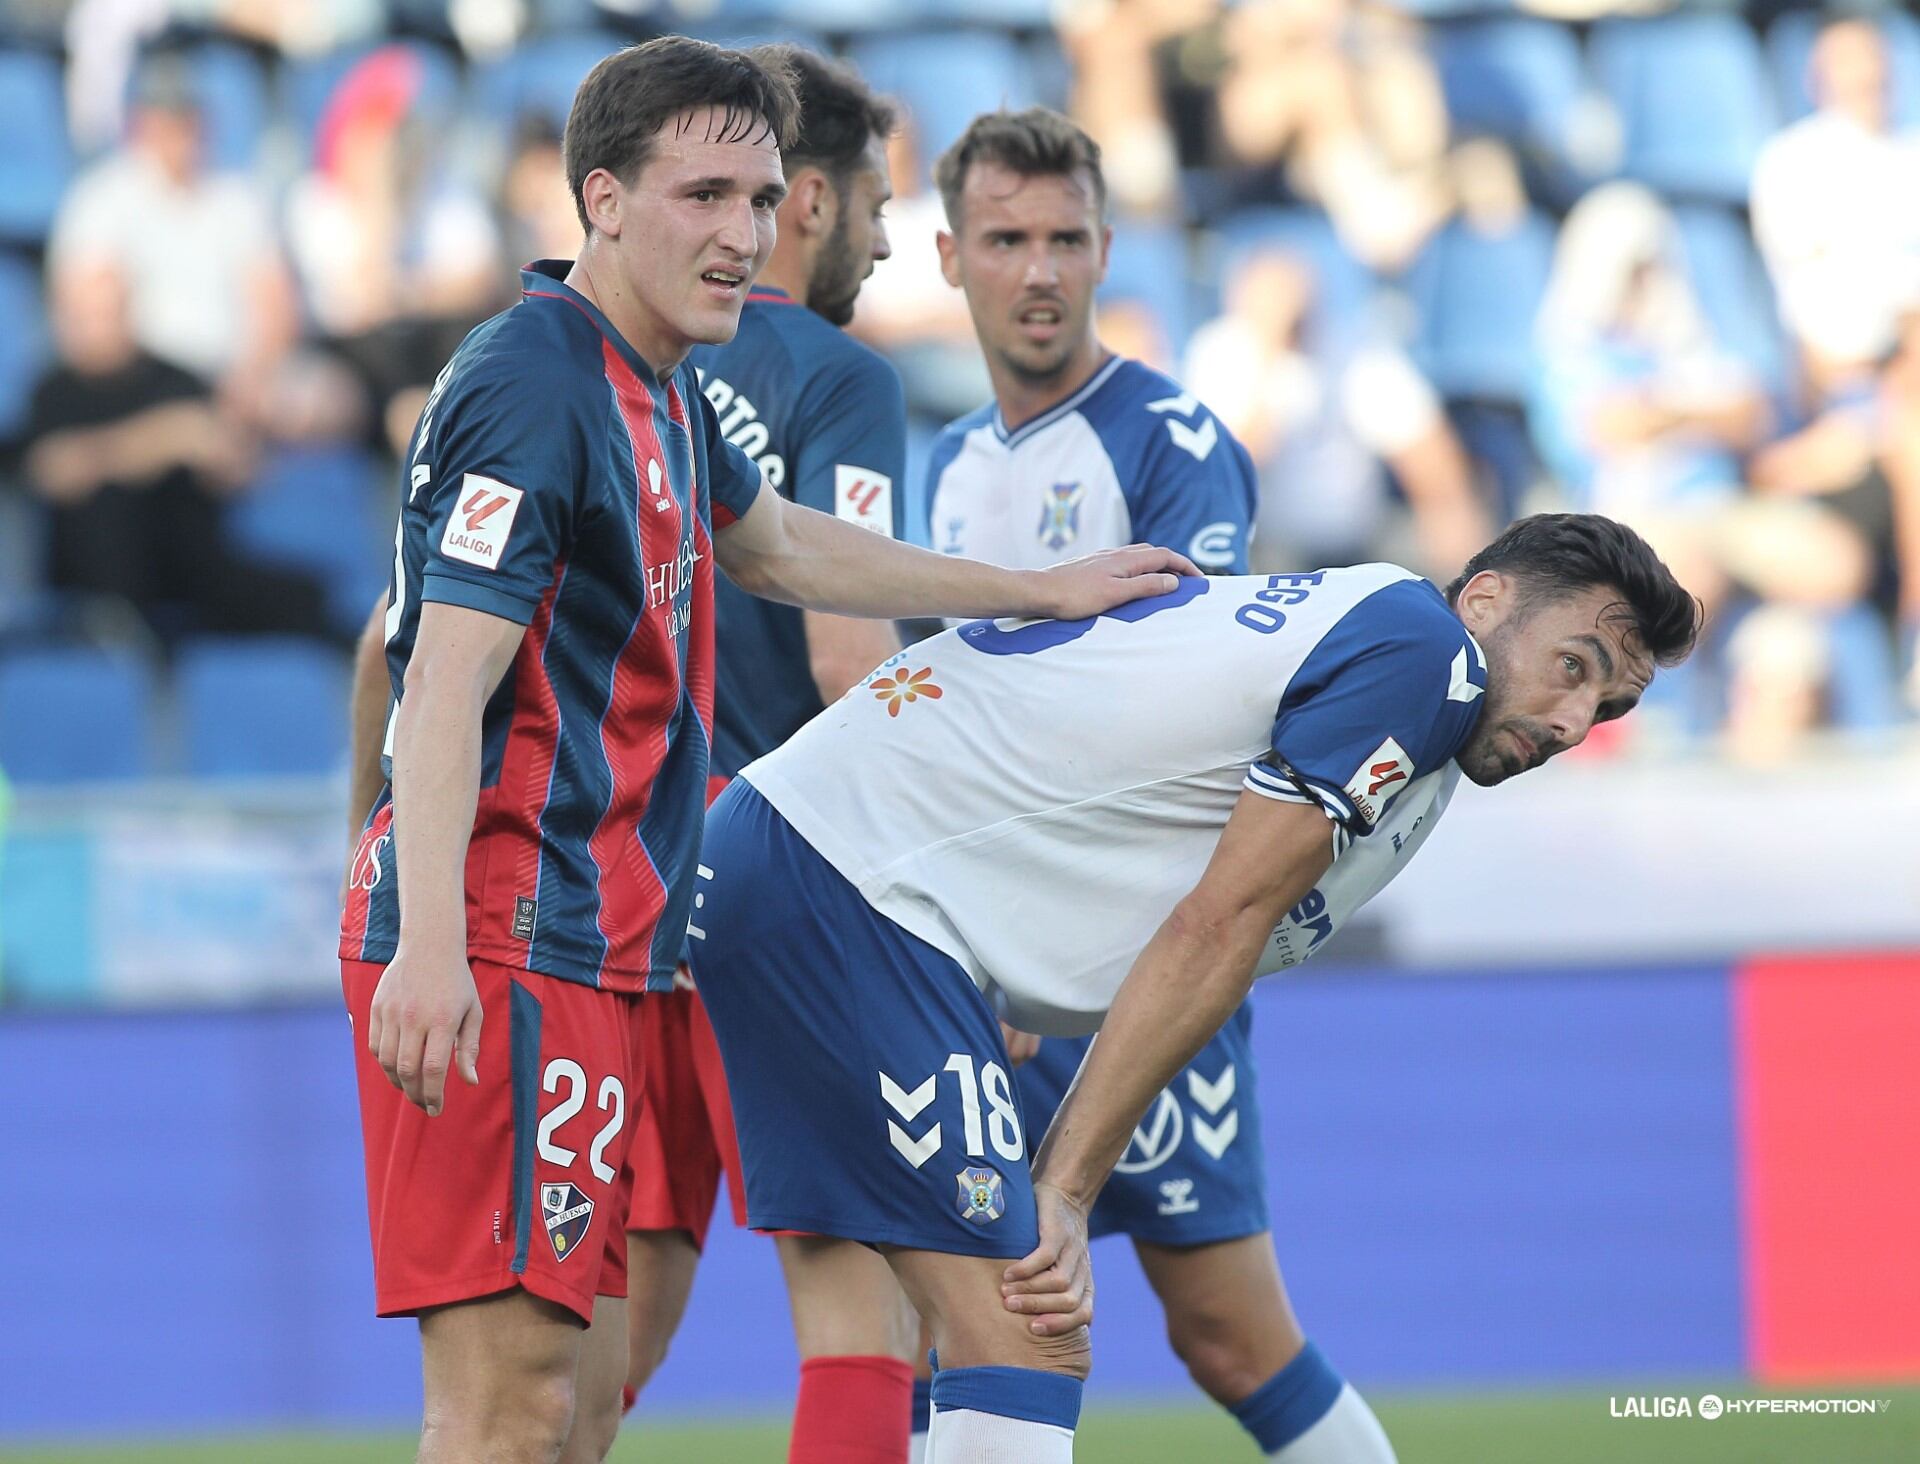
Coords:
566,1213
982,1196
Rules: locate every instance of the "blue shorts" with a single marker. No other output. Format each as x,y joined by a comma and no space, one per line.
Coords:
871,1091
1195,1171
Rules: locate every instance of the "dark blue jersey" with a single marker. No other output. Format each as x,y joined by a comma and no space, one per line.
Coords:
556,481
826,419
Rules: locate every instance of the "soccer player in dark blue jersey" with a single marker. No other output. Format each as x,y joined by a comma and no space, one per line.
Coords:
550,640
825,418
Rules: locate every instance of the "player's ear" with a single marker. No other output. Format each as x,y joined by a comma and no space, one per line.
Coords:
603,195
819,202
1106,253
949,257
1485,600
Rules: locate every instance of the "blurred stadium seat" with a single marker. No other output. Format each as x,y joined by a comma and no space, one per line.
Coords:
538,77
261,707
1344,287
72,714
1790,44
1515,78
37,160
1733,289
946,77
1694,100
1149,263
1477,295
23,340
307,85
321,508
235,107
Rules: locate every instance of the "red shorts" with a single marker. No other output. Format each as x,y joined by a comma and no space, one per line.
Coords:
521,1181
683,1131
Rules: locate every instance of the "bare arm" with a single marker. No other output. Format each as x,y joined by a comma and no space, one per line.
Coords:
367,720
426,1009
841,650
784,552
1184,985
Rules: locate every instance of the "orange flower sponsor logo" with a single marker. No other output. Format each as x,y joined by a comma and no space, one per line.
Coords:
905,686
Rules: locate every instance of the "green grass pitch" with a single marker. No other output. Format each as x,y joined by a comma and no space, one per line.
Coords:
1519,1428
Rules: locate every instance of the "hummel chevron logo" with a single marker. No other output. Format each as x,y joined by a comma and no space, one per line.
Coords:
1184,405
1212,1096
1198,443
909,1106
1459,688
1215,1140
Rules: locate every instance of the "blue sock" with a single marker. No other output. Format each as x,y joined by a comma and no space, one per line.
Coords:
922,1404
1024,1393
1290,1402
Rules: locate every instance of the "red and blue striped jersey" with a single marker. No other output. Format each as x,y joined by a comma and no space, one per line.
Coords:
555,480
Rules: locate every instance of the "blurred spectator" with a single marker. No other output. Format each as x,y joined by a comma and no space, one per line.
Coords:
1324,423
1644,417
1133,326
1347,101
134,462
538,220
1836,210
907,309
209,291
398,260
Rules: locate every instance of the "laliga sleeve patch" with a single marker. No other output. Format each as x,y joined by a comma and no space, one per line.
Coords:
481,521
1386,771
864,497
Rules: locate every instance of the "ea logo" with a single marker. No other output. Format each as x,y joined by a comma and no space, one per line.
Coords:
1156,1137
1711,1405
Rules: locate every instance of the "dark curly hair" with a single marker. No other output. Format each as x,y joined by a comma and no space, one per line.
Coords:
1552,555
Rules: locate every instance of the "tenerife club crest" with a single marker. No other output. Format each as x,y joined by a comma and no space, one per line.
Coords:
1060,515
566,1213
982,1196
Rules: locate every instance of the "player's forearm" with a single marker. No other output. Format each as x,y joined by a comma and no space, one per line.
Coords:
367,720
841,651
816,561
436,788
1182,989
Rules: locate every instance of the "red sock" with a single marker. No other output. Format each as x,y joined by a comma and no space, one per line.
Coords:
629,1395
852,1410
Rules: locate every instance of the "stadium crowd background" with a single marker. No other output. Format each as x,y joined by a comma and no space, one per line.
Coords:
1436,263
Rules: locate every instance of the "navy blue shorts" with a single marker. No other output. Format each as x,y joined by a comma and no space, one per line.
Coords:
872,1094
1195,1171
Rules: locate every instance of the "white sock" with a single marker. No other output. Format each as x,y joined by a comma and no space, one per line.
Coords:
917,1450
961,1436
1347,1433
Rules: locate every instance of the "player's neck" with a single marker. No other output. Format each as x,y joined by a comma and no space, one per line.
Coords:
785,274
626,314
1022,398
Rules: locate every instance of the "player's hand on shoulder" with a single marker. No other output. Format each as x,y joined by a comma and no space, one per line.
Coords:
1054,1283
1021,1046
425,1019
1095,582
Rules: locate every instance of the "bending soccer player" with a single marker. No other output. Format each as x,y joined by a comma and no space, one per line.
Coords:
825,417
1114,822
549,637
1083,449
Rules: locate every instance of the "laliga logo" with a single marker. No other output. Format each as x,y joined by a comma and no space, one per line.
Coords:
479,507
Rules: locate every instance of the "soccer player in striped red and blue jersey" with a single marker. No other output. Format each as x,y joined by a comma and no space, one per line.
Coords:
550,638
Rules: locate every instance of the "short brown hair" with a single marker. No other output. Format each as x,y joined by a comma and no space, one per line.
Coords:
1035,143
629,96
839,112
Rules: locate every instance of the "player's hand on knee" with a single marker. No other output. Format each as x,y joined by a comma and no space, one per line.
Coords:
425,1019
1054,1283
1096,582
1021,1046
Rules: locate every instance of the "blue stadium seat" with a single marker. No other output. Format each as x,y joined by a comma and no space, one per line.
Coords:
266,706
1732,287
74,714
1477,296
234,104
947,77
1344,286
1790,43
37,160
1694,101
1517,79
322,508
23,340
1149,263
539,77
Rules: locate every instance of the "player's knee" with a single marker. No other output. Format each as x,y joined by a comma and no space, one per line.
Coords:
1071,1355
1215,1352
596,1421
545,1407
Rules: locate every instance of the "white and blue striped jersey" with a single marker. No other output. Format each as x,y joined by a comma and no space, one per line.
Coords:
1131,457
1033,797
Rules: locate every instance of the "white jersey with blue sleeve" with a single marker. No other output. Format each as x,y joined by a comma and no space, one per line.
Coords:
1033,797
1131,457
